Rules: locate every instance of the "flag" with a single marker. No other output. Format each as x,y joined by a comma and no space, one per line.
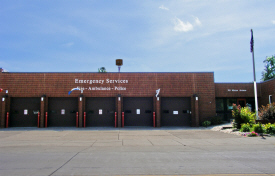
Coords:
72,90
251,42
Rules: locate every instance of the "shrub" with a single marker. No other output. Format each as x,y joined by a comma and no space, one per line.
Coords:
269,128
216,120
245,127
236,115
258,128
267,112
242,115
206,123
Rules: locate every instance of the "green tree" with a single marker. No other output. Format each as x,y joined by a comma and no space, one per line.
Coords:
102,70
269,71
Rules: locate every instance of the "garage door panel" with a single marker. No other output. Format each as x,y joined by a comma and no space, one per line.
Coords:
138,111
100,111
175,111
24,112
62,112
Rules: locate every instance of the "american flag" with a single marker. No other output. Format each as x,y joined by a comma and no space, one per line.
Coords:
251,42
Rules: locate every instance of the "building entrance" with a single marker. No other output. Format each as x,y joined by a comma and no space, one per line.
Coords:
24,112
100,111
138,111
175,111
62,112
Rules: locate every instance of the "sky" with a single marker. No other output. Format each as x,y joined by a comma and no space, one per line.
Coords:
149,35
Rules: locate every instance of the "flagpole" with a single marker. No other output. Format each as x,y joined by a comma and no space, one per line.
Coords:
255,84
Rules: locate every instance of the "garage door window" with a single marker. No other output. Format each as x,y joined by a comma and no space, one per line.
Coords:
128,111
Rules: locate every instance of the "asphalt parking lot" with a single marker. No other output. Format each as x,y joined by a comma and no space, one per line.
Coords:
133,151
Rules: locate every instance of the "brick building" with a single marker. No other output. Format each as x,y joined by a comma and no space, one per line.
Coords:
184,99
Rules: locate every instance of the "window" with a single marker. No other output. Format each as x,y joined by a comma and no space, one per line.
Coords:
15,112
52,112
128,111
90,112
219,104
230,102
270,99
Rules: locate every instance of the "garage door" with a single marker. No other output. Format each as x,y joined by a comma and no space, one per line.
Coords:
24,112
175,111
100,111
138,111
62,112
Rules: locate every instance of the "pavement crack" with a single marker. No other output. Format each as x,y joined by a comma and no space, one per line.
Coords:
68,161
64,163
173,135
150,142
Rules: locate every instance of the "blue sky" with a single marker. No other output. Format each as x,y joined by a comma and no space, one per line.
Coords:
149,35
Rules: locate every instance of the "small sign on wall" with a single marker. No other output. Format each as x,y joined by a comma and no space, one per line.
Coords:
100,112
138,111
176,112
25,112
62,111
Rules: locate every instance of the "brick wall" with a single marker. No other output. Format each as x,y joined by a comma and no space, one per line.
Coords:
131,85
268,88
236,90
264,89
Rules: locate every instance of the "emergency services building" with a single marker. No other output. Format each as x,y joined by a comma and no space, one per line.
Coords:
121,99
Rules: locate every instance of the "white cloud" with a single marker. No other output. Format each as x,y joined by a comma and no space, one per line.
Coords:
181,26
273,22
197,21
163,7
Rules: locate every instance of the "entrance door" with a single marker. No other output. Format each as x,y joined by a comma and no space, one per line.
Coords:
175,111
62,112
100,111
24,112
138,111
241,102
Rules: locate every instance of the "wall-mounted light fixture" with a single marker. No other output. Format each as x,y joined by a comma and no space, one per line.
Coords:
43,97
7,91
80,97
118,97
196,97
3,98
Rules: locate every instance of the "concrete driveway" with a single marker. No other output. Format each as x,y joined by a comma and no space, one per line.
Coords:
132,151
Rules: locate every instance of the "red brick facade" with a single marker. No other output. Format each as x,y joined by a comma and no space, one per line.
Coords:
114,85
127,85
267,88
236,90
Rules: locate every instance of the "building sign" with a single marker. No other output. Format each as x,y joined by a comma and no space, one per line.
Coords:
236,90
101,82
